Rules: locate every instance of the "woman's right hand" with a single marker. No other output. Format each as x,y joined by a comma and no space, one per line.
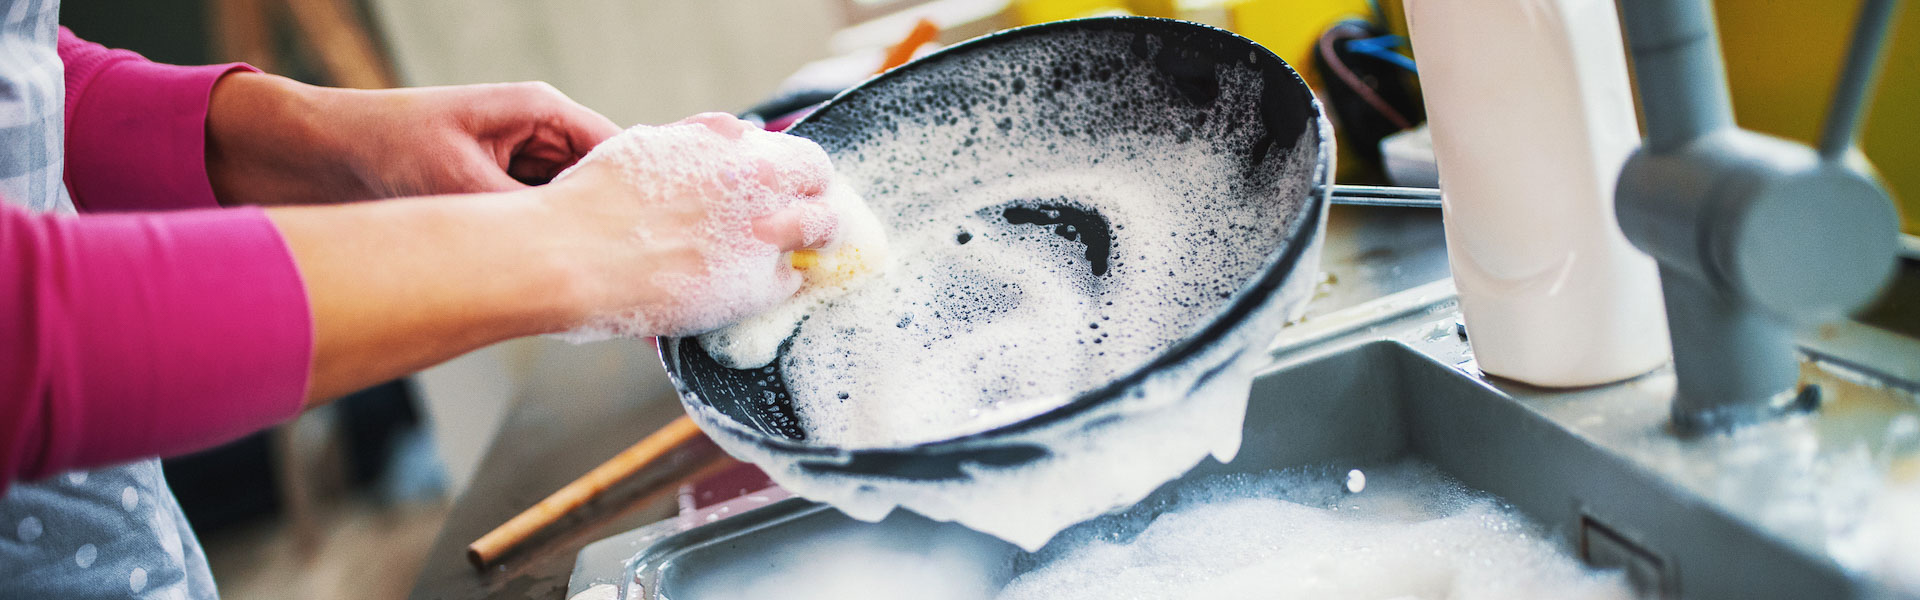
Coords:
669,230
684,228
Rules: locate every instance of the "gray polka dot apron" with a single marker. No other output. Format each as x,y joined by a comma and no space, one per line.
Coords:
109,533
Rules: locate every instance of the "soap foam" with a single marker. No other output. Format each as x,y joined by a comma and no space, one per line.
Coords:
996,311
736,175
990,320
1412,533
1844,481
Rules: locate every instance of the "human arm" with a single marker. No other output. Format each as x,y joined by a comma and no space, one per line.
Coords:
663,231
142,334
149,136
274,141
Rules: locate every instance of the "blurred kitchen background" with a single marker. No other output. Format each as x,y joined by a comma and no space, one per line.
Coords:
347,501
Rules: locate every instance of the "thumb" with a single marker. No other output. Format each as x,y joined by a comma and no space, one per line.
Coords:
478,173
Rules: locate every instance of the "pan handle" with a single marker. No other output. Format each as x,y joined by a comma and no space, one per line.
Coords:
1380,195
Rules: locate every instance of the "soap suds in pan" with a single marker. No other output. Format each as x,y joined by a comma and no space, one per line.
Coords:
1068,218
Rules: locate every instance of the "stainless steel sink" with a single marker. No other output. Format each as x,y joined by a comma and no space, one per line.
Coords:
1704,517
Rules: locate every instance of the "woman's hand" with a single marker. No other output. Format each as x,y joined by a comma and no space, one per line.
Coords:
695,219
274,141
665,230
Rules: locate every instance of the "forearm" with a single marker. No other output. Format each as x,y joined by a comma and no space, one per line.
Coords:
400,285
274,141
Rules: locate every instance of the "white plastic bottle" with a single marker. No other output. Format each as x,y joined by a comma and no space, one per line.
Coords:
1532,118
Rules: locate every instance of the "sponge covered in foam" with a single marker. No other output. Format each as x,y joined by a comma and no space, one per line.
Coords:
709,182
858,256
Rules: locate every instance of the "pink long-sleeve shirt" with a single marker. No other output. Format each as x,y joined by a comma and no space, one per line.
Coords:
142,333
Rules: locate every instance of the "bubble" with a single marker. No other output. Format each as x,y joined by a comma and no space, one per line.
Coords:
29,529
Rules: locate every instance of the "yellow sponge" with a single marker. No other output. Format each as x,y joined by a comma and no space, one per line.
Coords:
804,259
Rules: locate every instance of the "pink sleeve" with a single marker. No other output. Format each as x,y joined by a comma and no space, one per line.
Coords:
136,130
137,335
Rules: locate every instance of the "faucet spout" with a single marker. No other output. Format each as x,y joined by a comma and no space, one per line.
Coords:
1677,65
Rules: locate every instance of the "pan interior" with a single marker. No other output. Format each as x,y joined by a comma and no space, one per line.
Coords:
1061,211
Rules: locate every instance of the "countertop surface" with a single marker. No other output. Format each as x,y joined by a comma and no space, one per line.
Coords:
1370,252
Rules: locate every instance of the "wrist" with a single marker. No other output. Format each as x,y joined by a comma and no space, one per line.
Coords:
563,253
265,141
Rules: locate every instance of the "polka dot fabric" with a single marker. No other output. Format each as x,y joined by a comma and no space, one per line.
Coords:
109,533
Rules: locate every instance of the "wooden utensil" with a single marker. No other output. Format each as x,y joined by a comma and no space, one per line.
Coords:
628,462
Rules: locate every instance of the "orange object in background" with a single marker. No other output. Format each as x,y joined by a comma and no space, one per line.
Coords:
923,31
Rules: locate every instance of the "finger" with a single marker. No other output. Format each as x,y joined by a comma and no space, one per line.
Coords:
544,129
482,175
540,159
583,127
727,125
809,171
802,226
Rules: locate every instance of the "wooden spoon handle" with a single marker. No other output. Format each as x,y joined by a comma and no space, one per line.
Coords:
597,481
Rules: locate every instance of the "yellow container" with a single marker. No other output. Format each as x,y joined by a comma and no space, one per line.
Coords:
1030,12
1782,61
1154,8
1291,28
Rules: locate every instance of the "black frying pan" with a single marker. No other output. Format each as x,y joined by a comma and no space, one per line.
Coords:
1183,61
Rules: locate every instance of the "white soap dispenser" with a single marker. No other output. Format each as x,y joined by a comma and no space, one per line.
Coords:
1532,117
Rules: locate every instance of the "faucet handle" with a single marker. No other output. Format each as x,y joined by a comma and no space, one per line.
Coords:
1810,245
1857,75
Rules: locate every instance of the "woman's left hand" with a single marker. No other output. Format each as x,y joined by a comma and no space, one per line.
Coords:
274,141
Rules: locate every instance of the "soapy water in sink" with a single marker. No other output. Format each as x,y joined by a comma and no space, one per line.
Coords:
1843,480
1410,532
1048,237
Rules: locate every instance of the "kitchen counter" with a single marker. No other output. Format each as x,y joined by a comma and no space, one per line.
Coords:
1370,252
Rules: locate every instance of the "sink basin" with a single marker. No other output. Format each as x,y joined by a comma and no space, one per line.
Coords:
1394,379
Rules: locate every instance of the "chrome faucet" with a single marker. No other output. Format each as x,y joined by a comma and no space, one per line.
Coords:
1755,235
